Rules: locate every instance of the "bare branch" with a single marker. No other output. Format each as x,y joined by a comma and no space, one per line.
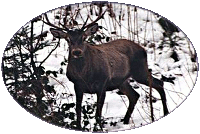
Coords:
50,53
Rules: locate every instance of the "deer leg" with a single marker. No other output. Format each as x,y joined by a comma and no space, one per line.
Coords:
141,74
79,97
100,102
158,85
132,95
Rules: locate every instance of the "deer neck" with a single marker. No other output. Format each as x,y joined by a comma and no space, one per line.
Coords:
80,65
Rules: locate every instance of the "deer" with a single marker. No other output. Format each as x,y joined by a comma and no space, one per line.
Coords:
95,69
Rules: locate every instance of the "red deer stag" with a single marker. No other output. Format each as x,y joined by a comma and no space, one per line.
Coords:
96,69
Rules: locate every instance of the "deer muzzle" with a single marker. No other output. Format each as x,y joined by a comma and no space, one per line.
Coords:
77,53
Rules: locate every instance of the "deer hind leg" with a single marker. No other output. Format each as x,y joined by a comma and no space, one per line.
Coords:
132,95
141,74
156,84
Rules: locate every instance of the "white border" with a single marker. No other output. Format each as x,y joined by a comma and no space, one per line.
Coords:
14,14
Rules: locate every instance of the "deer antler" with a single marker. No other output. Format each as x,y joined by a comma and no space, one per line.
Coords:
101,14
92,23
50,24
85,23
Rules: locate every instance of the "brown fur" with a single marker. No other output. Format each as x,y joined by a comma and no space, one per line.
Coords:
105,67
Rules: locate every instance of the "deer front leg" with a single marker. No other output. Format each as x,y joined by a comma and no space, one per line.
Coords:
100,101
79,98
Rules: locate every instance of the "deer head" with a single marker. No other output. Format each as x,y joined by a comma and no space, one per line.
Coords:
75,38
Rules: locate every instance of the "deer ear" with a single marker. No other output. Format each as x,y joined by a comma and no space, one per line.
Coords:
91,30
58,33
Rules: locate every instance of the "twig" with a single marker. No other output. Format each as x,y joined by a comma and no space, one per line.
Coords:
57,81
153,38
150,98
50,53
145,29
32,51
